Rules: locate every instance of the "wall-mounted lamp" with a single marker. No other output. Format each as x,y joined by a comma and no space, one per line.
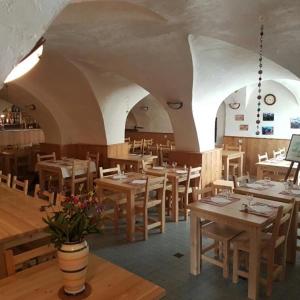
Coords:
30,107
144,108
175,104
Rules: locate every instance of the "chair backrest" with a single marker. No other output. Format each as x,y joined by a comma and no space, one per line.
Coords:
237,181
164,152
233,147
263,157
51,156
80,174
276,153
127,140
146,164
195,174
138,145
108,172
281,226
43,195
5,179
19,185
95,157
282,151
12,261
204,192
155,184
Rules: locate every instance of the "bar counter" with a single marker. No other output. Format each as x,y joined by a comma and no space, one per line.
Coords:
21,137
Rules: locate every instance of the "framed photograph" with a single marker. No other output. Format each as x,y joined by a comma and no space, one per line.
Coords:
295,123
239,117
244,127
267,130
293,153
268,117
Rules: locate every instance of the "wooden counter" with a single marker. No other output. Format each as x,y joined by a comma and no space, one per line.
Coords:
21,137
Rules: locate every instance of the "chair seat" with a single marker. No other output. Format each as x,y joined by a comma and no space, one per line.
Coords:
181,189
151,203
234,165
219,232
243,241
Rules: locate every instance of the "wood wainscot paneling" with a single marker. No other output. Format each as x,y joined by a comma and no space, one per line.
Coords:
254,146
210,161
158,137
21,137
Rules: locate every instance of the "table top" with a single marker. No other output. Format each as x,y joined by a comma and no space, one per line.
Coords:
106,280
133,157
232,213
63,165
269,192
171,172
282,163
19,214
125,183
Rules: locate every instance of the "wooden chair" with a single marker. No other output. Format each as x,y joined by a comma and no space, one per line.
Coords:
80,175
200,193
237,181
51,156
14,262
147,143
127,140
137,146
95,157
164,152
21,186
271,243
5,179
263,157
282,151
114,203
233,166
276,154
147,164
43,195
221,185
142,207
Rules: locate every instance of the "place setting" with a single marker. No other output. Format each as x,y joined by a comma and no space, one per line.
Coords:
222,199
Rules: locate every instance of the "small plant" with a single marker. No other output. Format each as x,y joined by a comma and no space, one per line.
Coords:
78,216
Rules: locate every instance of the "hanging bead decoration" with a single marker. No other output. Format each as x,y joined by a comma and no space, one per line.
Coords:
260,73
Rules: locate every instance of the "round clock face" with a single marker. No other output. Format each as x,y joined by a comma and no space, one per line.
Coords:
270,99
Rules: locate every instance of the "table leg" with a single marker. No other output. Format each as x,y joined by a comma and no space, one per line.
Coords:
241,165
226,168
175,208
195,244
292,237
130,217
42,180
254,263
259,172
3,272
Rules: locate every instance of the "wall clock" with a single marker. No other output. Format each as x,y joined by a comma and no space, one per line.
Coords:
234,105
270,99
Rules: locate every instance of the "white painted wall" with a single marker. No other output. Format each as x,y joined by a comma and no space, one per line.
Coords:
155,119
221,116
285,107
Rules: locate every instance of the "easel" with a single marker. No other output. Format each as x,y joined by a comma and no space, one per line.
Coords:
290,170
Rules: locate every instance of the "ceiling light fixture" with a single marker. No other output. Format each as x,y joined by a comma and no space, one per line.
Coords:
28,62
175,104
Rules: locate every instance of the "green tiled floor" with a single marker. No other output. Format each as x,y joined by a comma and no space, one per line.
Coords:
154,260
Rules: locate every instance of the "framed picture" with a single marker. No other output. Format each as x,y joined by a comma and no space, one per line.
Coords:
293,153
244,127
268,117
239,117
267,130
295,123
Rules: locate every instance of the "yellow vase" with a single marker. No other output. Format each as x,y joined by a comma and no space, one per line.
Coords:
73,262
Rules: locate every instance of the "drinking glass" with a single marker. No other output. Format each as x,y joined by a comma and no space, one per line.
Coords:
250,200
267,180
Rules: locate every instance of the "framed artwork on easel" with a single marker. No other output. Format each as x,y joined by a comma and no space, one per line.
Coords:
293,153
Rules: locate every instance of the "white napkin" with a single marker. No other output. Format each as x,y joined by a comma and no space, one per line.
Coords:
295,192
220,200
120,176
261,208
254,185
181,171
139,181
158,168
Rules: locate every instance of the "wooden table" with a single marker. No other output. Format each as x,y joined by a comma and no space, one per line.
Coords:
20,220
130,190
274,193
134,160
278,166
174,178
230,215
106,281
227,156
59,168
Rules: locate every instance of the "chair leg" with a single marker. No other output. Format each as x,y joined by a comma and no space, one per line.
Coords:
116,217
185,206
235,267
270,268
146,224
225,259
